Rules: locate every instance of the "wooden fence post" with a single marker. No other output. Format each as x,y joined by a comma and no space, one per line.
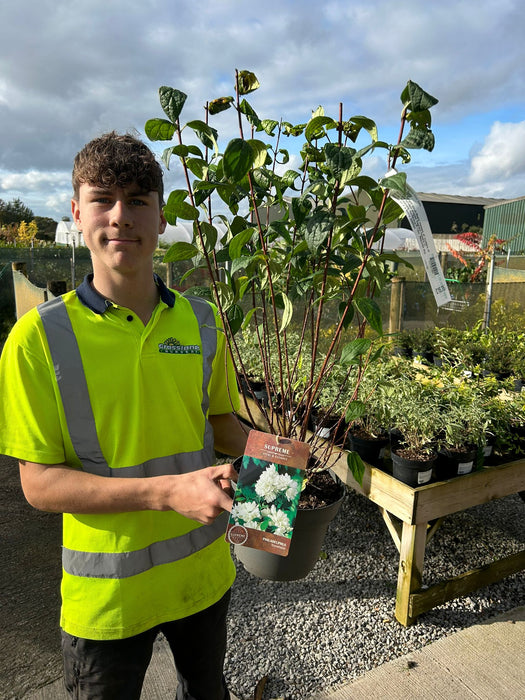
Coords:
397,300
19,267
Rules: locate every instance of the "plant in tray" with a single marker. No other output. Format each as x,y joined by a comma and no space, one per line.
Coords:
414,405
463,423
510,428
299,252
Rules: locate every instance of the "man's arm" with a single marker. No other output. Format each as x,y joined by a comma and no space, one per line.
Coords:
199,495
230,434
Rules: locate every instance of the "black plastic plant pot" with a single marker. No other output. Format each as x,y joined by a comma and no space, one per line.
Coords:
305,547
370,451
451,463
413,472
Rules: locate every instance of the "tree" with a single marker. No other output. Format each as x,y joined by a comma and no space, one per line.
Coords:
46,227
26,233
14,212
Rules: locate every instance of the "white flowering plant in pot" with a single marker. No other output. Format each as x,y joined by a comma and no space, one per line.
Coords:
302,247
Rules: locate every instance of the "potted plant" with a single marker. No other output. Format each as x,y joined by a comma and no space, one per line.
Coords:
369,417
300,251
463,425
414,403
423,343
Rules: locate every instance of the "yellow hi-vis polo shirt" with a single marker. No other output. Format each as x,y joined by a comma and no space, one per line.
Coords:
126,572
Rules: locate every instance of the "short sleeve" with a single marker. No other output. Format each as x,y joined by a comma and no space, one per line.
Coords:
30,425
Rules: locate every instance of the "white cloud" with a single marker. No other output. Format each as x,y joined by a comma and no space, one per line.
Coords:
502,156
33,180
70,71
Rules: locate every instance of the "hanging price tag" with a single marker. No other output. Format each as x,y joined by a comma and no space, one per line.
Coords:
418,219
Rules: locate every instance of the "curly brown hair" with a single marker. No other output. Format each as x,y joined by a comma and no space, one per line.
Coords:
117,159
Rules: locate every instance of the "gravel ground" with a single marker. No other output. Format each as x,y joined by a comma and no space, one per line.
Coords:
307,635
338,623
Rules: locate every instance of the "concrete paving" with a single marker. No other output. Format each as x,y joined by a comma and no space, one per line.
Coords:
482,662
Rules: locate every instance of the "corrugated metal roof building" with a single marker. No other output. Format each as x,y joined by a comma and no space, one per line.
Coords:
506,220
447,213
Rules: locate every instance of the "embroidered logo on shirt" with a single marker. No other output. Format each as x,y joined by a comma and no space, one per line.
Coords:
173,347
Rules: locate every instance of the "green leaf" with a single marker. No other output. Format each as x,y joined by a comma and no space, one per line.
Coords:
225,294
239,241
340,161
172,101
356,410
419,138
208,232
181,250
314,155
176,197
291,130
238,159
260,151
235,317
300,208
391,212
237,224
356,214
287,312
185,210
159,130
348,311
198,167
269,125
288,179
247,82
397,182
315,127
250,114
219,105
205,133
351,351
414,97
356,466
240,263
173,150
199,291
371,311
249,315
318,227
360,122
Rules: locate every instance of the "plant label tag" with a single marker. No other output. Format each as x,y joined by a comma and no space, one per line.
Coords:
423,477
268,491
465,467
418,219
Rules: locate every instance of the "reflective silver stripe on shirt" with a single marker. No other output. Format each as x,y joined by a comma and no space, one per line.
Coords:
71,379
125,564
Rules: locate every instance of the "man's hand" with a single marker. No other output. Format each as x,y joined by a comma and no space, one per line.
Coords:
204,494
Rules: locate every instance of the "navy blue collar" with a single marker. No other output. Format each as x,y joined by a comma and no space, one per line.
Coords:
99,304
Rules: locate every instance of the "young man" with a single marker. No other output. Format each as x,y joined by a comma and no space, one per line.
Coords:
115,396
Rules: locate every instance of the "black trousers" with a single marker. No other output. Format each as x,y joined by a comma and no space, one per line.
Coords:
115,669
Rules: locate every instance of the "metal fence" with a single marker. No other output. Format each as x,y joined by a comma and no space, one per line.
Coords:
413,307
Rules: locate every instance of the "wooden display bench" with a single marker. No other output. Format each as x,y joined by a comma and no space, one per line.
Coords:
413,515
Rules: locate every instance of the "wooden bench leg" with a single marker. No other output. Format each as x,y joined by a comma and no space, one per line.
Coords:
410,575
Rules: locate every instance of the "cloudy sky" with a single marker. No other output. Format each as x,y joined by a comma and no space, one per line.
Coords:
72,69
